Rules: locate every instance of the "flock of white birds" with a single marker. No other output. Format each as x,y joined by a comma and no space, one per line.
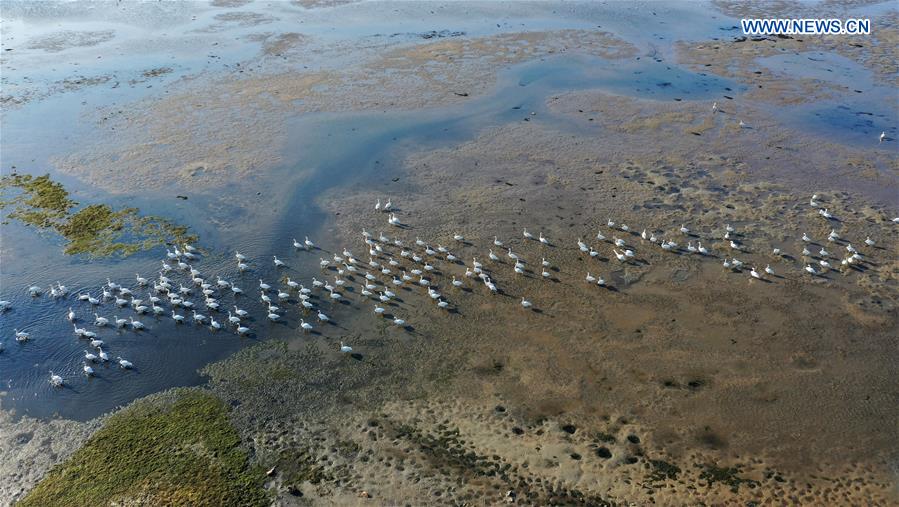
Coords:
391,265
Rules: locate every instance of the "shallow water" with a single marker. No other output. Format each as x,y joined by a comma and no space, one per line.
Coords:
328,151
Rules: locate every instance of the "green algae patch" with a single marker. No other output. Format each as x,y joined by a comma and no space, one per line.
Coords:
97,230
159,451
41,202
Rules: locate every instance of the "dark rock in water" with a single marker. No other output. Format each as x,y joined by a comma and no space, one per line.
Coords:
182,197
575,456
500,408
634,439
462,94
604,453
294,490
569,428
517,430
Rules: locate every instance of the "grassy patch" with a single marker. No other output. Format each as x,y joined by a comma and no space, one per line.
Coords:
158,452
96,230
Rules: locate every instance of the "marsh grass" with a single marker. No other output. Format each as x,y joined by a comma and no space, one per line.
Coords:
96,230
159,452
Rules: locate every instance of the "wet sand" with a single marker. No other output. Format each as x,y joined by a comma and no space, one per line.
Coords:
680,382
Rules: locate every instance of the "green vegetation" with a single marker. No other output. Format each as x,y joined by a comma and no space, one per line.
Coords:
158,452
95,230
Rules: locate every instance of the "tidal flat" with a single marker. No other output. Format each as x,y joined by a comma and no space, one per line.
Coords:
142,136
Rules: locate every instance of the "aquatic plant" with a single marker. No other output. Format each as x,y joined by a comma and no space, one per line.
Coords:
159,451
96,230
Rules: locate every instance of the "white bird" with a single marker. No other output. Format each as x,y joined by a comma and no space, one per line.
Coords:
305,326
809,269
95,343
543,239
769,270
805,237
214,324
120,322
715,107
525,303
100,321
297,244
883,135
263,285
456,283
755,274
493,256
309,244
610,223
141,280
345,349
322,317
21,336
242,330
56,380
620,256
34,290
600,236
124,363
103,355
89,356
459,237
233,319
399,322
87,370
136,324
278,262
590,278
273,316
684,229
199,318
527,235
869,241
